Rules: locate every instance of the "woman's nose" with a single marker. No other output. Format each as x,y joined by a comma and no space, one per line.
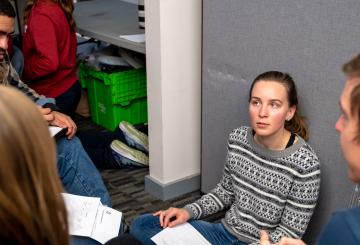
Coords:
263,112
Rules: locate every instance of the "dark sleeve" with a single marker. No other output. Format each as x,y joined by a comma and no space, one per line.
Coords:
125,239
338,231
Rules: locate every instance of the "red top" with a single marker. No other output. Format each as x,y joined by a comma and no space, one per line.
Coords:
49,48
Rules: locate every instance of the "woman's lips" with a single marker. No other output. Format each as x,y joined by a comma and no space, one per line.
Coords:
261,124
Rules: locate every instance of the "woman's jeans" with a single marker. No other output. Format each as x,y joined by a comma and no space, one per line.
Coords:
147,225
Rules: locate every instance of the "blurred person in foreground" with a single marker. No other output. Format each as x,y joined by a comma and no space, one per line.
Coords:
32,209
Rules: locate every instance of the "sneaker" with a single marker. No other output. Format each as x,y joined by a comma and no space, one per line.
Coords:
134,137
127,156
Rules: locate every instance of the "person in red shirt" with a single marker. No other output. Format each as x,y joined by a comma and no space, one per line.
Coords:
49,48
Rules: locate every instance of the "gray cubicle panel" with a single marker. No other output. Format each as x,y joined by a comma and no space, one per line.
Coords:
310,39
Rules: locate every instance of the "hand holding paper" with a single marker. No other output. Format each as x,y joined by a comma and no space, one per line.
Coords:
172,217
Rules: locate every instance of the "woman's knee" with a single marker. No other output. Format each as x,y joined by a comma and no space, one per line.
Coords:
141,221
145,224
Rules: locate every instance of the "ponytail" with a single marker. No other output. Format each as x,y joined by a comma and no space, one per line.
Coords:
298,126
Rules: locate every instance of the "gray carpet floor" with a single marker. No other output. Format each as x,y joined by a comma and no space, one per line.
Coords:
126,187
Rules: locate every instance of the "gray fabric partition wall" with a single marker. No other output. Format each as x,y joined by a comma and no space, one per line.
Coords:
310,39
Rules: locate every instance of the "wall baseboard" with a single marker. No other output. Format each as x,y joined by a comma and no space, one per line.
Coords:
172,190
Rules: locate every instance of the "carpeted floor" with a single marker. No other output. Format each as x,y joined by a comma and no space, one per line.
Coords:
126,187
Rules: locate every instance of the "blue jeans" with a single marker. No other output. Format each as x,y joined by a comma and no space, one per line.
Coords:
147,225
78,174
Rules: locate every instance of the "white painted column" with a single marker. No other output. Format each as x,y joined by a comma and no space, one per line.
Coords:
173,54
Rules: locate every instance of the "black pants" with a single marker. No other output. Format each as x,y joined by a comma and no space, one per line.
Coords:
97,146
69,100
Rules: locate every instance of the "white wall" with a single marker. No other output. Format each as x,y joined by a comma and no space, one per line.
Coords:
173,53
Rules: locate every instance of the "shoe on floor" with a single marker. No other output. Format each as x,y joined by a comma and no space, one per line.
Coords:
126,156
134,137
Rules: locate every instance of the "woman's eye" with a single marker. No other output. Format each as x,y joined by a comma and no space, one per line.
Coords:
275,105
255,102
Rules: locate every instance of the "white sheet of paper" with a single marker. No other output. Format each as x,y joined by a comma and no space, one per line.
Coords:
107,224
183,234
81,213
137,38
88,217
54,130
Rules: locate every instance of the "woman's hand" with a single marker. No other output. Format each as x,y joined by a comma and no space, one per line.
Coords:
264,240
61,120
64,121
46,113
172,217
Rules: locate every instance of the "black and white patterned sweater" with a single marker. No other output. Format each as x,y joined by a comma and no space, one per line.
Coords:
268,190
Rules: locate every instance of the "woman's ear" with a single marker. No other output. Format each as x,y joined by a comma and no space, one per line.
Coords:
291,113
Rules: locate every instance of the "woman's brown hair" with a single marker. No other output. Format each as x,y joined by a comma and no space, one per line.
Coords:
32,210
66,5
297,124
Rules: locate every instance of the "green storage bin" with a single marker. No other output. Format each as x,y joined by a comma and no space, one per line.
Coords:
82,76
116,97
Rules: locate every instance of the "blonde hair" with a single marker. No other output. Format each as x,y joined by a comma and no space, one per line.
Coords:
32,210
66,5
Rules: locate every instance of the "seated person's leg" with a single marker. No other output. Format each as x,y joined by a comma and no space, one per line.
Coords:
110,150
97,146
106,154
215,233
77,172
144,227
69,100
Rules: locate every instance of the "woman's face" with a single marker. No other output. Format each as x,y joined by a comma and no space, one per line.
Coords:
269,108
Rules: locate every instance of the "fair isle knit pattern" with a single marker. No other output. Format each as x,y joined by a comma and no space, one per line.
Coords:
268,190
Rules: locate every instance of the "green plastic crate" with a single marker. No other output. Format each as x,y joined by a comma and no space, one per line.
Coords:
83,74
116,96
